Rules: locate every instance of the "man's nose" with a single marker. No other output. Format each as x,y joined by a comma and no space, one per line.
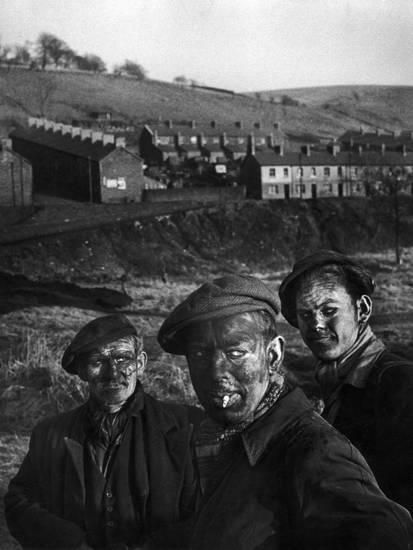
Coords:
110,369
317,321
218,364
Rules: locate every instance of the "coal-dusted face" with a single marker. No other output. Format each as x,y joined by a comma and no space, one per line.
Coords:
112,371
230,365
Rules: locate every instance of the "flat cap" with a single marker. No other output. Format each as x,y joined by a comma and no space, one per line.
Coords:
96,333
355,272
222,297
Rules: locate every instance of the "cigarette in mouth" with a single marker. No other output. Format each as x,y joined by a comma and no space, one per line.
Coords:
225,401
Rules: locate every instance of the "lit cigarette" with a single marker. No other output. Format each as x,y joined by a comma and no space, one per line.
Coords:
225,401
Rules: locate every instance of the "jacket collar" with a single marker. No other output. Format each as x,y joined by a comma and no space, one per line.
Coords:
270,427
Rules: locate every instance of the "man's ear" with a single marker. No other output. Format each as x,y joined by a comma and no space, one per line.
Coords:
141,361
364,308
275,352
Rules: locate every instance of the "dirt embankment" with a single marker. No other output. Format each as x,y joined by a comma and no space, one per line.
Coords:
250,235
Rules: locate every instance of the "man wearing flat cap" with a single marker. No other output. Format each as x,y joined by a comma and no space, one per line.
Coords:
367,391
115,473
274,474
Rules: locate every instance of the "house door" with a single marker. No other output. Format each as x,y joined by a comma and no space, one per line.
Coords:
286,191
314,190
340,189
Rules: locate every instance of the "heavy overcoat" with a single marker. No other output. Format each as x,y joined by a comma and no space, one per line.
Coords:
296,483
375,411
45,503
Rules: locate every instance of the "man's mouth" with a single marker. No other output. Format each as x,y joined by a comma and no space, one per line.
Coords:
225,399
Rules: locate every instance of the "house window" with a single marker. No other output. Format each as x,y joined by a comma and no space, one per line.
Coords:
340,170
300,172
241,140
273,190
356,171
300,188
328,187
272,173
327,171
215,140
260,141
286,172
358,187
313,172
163,140
192,139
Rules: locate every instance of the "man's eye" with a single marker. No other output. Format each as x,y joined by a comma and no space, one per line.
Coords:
305,315
235,353
329,311
197,353
122,359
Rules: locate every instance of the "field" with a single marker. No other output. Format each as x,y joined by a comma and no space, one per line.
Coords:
326,112
36,336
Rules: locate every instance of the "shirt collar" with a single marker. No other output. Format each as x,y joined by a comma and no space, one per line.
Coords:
269,427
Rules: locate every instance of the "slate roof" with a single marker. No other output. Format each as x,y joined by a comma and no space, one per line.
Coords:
65,143
319,158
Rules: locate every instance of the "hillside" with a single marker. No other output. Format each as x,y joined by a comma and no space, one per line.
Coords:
326,111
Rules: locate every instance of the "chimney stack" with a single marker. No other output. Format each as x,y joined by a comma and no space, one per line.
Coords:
85,133
279,150
97,136
66,129
120,141
238,124
169,123
383,148
306,150
193,124
213,123
75,131
108,139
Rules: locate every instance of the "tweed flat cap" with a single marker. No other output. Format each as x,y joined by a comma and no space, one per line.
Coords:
222,297
96,333
359,276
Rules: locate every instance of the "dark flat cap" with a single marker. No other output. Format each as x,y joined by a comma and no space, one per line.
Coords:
359,276
96,333
222,297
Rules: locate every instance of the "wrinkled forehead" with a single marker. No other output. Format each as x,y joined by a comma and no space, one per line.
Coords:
322,283
126,344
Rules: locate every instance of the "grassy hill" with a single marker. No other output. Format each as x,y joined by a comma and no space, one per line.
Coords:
326,111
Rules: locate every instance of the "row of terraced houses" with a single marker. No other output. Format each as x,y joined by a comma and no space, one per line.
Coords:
102,160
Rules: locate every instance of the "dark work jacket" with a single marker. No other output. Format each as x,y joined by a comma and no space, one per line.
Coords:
45,502
298,484
377,417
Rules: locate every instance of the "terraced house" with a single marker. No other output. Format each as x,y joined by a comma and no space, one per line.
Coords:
79,164
330,172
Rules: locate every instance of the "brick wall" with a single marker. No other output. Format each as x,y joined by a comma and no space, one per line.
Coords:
121,177
197,194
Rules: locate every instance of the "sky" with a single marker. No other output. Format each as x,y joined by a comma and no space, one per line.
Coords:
243,45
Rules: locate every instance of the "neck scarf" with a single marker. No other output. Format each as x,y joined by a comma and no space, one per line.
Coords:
352,368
